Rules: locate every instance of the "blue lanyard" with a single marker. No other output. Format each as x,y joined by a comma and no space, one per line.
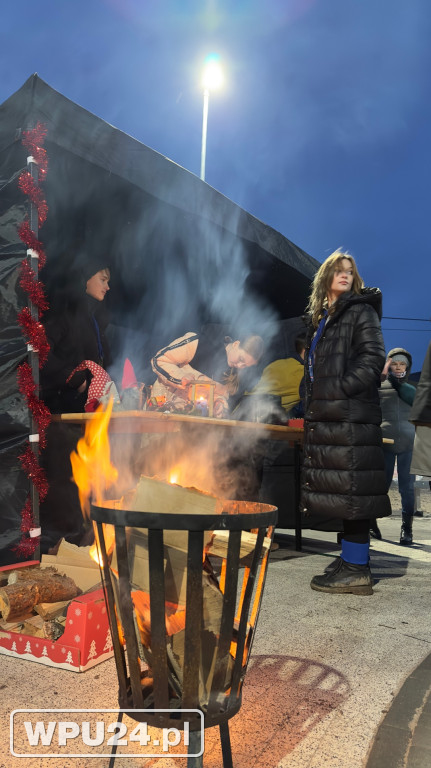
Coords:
313,345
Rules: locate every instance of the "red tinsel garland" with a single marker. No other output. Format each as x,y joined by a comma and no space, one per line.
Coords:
33,140
29,238
27,545
33,287
35,334
36,473
40,411
28,185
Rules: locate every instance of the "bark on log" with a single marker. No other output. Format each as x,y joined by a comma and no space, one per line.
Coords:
21,597
17,599
31,574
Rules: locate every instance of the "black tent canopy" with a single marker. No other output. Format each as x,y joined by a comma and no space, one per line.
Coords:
182,255
160,223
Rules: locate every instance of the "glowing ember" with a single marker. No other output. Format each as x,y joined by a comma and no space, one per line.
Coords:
92,470
174,476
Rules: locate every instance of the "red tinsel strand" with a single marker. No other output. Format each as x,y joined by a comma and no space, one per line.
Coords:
35,333
32,469
33,141
26,547
42,416
27,519
29,238
39,410
28,185
33,287
26,383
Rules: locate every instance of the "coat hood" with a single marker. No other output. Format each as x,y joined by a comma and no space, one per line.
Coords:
402,351
372,296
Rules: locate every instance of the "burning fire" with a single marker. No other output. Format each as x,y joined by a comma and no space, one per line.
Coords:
92,470
174,476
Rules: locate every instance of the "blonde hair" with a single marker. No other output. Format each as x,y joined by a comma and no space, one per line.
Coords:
322,282
254,346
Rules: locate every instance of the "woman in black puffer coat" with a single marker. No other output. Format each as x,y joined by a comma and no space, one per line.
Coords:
344,468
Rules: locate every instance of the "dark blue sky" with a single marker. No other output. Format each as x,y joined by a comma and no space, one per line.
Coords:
322,130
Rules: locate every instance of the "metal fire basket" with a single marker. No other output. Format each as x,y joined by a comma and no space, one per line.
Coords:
191,654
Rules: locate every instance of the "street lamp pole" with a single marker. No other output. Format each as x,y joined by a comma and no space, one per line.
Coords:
204,132
212,78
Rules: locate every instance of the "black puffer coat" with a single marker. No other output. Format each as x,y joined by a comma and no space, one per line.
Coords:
344,471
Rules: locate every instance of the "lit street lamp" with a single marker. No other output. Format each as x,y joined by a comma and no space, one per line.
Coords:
212,79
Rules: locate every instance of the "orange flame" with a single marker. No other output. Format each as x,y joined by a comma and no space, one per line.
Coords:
109,538
92,470
174,475
175,617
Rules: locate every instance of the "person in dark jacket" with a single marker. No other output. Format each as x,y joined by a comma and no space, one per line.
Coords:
75,329
344,469
396,398
420,416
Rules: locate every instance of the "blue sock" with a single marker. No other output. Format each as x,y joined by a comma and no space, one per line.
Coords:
357,554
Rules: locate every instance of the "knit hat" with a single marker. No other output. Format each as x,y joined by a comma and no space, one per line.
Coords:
400,359
93,264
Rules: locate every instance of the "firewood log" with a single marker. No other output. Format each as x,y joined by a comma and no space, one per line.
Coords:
31,574
19,598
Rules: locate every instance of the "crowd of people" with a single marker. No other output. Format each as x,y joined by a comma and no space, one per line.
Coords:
349,393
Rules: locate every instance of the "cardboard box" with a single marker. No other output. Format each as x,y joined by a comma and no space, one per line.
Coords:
86,641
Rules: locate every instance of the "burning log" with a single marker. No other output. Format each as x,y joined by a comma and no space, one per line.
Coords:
154,495
219,544
20,597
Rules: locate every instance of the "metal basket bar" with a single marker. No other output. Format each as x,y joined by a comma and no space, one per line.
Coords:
159,662
194,603
127,614
120,661
227,619
242,630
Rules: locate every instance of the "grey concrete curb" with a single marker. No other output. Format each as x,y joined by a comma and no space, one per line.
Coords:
403,739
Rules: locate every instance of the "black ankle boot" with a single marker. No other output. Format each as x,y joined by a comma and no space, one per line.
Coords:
346,577
334,565
375,531
406,537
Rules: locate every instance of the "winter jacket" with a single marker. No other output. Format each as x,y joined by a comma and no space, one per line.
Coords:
395,411
344,470
282,378
420,415
421,409
73,336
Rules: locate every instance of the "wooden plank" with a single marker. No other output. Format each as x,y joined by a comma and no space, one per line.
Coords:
149,421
